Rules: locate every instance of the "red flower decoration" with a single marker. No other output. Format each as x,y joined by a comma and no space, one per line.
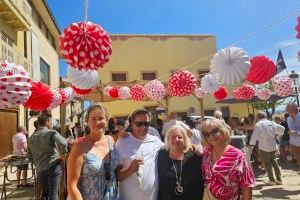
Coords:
63,95
85,45
298,28
283,86
182,83
262,70
246,92
40,98
114,92
221,93
56,99
137,92
80,92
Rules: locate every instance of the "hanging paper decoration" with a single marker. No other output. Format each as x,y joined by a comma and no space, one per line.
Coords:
209,83
263,94
14,85
82,79
40,98
230,65
262,70
283,86
70,94
56,99
85,45
245,92
221,93
106,90
182,83
124,92
155,90
137,92
298,28
199,92
114,92
79,92
63,95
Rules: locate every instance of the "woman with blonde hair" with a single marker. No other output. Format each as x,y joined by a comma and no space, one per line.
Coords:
93,160
179,169
225,169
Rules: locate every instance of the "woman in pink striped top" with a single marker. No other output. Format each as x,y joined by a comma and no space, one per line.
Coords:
225,169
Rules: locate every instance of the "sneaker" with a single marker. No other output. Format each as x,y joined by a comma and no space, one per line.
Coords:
278,182
270,183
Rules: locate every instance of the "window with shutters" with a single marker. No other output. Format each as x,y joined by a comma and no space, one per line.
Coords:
119,76
148,76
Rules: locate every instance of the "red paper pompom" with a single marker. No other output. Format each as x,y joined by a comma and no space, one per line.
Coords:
283,86
85,45
56,99
137,92
80,92
114,92
40,98
182,83
297,28
221,93
63,95
262,70
246,92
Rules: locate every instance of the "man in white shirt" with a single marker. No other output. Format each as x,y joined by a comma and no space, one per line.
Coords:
172,122
266,131
137,157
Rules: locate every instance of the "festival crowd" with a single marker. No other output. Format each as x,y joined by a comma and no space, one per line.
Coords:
112,159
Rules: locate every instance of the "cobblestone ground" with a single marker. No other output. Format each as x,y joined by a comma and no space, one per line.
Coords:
289,190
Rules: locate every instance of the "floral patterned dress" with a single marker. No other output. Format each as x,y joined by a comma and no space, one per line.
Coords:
226,176
94,183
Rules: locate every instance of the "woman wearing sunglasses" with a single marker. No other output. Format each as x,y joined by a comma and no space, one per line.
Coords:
179,169
92,161
225,169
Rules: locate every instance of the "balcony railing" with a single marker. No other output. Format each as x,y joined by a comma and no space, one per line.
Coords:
23,8
10,54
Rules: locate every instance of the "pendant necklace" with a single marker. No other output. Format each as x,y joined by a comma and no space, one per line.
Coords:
178,188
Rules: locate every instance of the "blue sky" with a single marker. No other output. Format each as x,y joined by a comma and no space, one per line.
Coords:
231,21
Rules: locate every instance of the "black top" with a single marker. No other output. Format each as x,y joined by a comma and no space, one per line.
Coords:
286,135
192,180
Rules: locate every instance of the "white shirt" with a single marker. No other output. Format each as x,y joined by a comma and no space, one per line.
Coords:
294,124
171,123
127,148
154,132
18,140
265,132
196,137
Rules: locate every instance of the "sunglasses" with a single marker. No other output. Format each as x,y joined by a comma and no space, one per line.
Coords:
214,132
140,124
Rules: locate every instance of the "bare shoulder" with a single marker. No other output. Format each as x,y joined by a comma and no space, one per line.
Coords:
111,140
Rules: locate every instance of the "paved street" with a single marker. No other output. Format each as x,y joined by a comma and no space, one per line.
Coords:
289,190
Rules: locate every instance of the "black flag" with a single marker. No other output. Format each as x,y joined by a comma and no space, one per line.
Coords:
280,65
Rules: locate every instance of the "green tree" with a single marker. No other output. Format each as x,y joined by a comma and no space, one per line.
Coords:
268,106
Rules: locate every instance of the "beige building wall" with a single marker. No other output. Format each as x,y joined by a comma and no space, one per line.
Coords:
162,54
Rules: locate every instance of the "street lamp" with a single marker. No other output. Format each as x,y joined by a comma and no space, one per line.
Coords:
295,78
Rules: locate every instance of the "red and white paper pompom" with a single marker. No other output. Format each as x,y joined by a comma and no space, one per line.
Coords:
263,94
56,99
14,85
70,94
137,92
82,79
124,92
283,86
182,83
40,98
262,70
106,90
79,92
221,93
155,90
245,92
199,92
85,45
209,83
114,92
297,28
63,95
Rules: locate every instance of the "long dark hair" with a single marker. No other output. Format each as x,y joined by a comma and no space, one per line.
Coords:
90,109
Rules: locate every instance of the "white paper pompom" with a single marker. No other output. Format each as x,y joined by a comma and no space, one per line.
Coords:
155,90
124,92
209,83
82,79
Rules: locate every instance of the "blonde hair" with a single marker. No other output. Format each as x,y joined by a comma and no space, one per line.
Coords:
210,124
218,114
186,140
